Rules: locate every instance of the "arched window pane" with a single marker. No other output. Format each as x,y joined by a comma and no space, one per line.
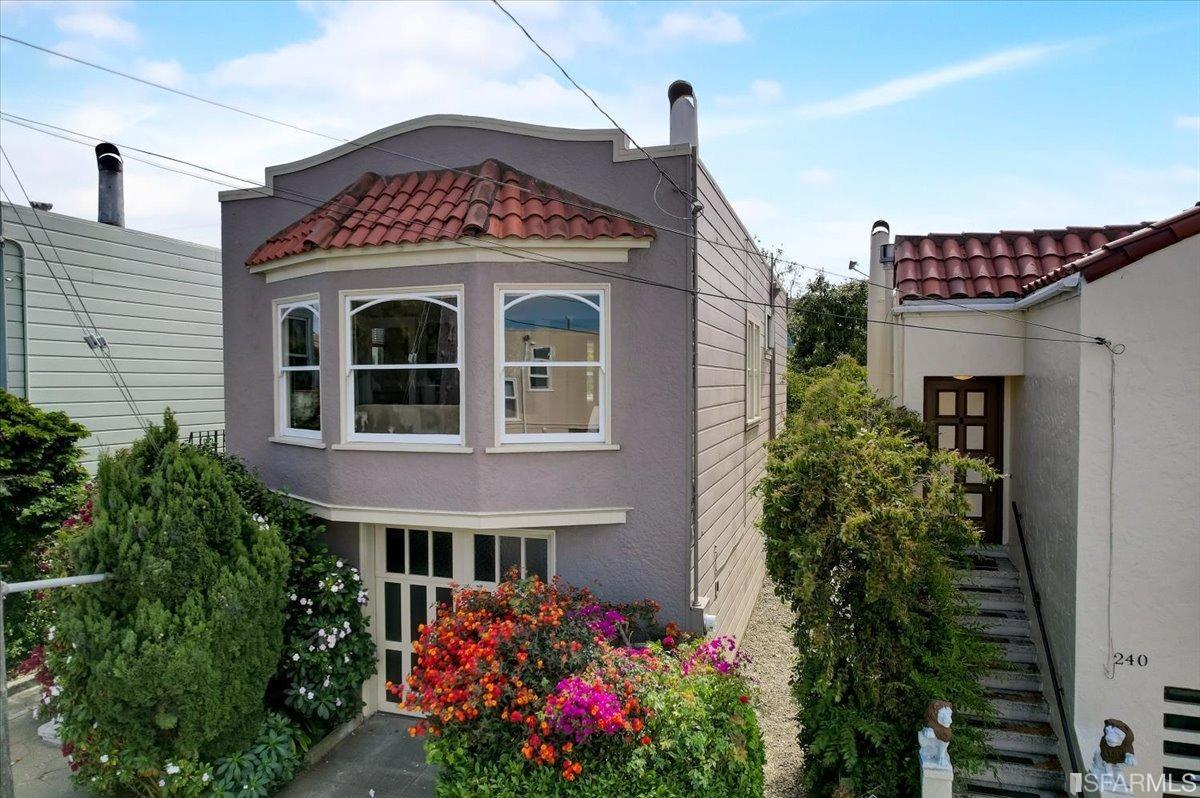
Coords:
404,331
559,328
301,334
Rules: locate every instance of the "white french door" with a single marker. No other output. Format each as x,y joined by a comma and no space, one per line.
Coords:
414,573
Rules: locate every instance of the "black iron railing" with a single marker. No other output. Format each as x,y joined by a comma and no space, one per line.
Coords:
1056,686
211,439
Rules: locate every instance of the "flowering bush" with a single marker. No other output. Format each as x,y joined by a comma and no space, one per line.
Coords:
533,689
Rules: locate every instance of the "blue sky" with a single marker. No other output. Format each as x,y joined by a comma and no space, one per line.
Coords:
816,118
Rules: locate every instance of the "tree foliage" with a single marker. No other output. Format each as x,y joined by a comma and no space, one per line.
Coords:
169,659
865,524
41,483
827,321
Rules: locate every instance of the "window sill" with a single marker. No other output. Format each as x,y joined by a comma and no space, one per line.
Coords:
311,443
753,422
516,448
433,448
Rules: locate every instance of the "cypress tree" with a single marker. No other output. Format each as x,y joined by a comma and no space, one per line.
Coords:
171,656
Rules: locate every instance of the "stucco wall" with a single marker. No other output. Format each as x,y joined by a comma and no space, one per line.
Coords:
1151,308
650,362
1044,467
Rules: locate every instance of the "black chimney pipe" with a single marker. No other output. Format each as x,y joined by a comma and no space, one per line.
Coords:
112,185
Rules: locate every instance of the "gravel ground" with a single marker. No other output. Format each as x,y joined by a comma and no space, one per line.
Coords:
768,641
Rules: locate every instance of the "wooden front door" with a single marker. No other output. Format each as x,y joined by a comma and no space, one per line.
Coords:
966,415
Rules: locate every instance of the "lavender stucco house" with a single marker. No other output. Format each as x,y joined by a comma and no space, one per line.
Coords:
444,338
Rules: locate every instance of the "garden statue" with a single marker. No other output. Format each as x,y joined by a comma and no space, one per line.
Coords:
934,739
1112,757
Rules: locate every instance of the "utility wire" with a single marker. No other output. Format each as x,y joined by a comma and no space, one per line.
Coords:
312,203
458,170
100,348
521,253
592,100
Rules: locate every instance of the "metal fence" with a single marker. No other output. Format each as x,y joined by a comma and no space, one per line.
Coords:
211,439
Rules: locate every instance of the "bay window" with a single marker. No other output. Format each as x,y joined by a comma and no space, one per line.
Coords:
404,367
298,368
551,376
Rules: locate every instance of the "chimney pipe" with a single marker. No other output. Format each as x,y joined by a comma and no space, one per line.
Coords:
880,337
112,185
684,126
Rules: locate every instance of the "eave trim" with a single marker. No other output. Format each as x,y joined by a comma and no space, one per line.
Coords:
450,519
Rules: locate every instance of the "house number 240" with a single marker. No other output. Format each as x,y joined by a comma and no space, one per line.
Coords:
1137,660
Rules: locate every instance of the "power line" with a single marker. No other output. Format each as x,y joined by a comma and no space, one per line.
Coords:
311,203
592,100
365,145
96,342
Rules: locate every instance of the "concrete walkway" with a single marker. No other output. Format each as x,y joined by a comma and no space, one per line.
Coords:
39,770
378,756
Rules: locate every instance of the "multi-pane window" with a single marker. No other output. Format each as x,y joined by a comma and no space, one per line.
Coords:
754,358
404,367
299,369
553,352
499,556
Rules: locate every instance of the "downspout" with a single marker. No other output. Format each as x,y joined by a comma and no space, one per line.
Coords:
773,291
693,414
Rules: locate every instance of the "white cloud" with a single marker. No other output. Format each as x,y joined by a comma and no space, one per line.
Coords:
1187,122
96,21
169,72
767,91
906,88
717,27
757,212
815,177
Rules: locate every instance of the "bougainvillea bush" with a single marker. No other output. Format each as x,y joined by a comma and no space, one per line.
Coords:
540,689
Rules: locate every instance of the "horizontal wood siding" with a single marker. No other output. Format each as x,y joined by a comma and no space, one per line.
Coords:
156,300
731,454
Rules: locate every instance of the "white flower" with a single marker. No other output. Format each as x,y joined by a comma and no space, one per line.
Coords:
162,783
326,684
295,658
339,564
104,759
371,793
293,597
311,695
50,633
205,778
308,611
310,648
172,768
337,703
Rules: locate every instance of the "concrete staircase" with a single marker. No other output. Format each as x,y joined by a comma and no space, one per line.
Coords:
1026,763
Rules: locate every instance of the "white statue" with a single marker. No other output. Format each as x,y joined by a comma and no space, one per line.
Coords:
1113,756
934,739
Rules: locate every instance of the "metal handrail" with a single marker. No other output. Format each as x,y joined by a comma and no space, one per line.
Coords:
1068,731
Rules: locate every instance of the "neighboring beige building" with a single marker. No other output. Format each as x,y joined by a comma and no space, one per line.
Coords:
996,343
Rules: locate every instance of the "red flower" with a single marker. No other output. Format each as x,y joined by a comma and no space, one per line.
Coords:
744,699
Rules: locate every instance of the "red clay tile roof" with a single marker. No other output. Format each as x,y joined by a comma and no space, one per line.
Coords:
1124,251
989,265
447,205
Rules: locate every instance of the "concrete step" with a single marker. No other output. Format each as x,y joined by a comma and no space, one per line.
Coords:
1014,649
994,551
995,599
980,577
1015,680
1022,738
1041,775
1023,707
1002,624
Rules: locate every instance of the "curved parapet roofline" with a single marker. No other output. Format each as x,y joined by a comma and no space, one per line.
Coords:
621,150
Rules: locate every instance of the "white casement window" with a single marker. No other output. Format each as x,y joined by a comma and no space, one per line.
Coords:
404,367
298,368
552,348
754,359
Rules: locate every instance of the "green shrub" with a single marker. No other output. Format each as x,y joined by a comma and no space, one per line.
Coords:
168,661
865,524
327,649
41,483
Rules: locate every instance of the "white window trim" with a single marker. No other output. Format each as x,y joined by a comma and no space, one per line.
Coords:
435,294
529,439
279,309
753,382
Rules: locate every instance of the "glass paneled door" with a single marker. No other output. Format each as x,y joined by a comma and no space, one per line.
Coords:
967,415
414,571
